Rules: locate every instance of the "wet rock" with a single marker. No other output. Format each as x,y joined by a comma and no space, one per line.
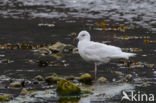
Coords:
85,78
128,77
58,47
145,84
15,85
5,97
71,77
44,51
24,91
65,88
58,56
75,51
117,73
86,92
39,78
102,80
52,79
68,48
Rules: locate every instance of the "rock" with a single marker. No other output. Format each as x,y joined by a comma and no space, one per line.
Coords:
75,51
58,47
26,92
44,51
65,88
52,79
39,78
15,85
128,77
86,92
68,48
5,97
85,78
102,80
71,77
117,73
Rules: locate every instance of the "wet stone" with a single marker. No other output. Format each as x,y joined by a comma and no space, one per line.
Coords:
5,97
44,51
129,77
15,85
65,88
71,77
53,79
102,80
39,78
85,78
58,47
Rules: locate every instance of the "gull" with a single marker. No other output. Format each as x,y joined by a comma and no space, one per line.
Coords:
98,53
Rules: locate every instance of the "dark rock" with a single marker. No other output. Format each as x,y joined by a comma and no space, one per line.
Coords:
42,63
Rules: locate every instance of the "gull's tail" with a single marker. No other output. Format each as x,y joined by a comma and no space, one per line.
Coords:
124,55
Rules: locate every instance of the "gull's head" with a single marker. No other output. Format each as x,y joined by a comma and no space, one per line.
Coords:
83,35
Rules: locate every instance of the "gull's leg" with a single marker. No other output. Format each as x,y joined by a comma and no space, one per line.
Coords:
95,70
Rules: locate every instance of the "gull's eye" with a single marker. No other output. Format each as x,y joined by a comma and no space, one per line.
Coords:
83,34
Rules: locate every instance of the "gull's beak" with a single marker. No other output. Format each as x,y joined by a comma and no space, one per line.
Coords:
76,39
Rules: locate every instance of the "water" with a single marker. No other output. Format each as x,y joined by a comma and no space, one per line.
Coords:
21,21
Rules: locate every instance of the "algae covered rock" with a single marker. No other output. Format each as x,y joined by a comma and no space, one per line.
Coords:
39,78
5,97
15,85
85,78
102,80
53,79
65,88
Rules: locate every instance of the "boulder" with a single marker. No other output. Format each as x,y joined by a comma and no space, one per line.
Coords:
85,78
102,80
65,88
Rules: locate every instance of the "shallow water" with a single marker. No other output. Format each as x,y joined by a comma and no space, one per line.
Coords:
21,21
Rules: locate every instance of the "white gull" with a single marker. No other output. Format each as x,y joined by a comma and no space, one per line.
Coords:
98,53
